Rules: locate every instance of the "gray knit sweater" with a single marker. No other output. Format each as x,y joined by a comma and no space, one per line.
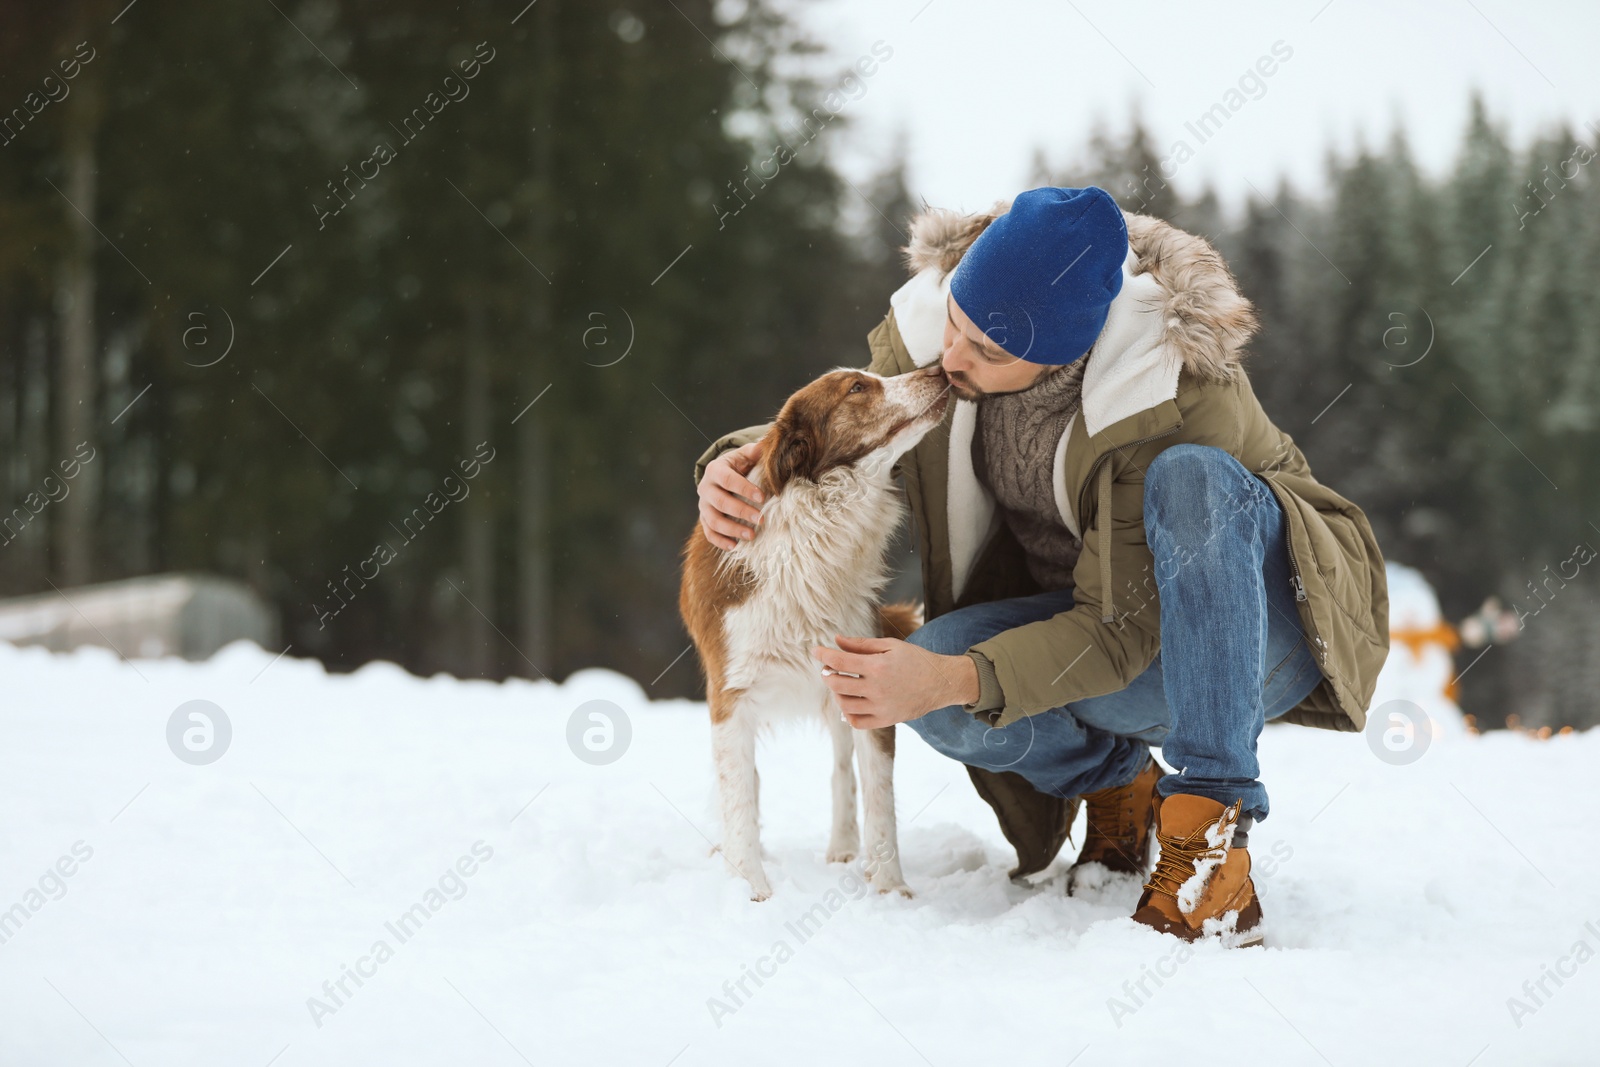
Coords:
1013,454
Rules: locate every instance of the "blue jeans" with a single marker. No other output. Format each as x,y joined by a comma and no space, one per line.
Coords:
1233,653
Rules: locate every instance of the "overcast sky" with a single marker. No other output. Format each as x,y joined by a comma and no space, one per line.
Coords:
979,84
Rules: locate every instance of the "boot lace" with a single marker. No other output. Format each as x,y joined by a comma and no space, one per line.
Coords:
1110,815
1181,856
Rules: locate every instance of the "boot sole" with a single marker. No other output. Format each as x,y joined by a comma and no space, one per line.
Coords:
1247,931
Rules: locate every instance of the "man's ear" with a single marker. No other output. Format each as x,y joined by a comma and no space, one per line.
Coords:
794,457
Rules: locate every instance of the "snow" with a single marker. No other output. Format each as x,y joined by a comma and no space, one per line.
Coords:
1219,837
1406,904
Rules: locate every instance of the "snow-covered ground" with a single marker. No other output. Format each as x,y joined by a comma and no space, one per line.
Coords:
163,912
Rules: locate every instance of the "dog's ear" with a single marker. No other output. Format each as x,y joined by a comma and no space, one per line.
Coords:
793,456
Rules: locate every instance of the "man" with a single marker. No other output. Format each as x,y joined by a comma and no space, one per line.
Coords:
1119,549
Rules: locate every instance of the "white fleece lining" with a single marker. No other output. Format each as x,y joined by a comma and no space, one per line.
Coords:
919,311
1130,369
1058,480
968,505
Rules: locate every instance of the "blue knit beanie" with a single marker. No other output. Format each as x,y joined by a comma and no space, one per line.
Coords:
1040,280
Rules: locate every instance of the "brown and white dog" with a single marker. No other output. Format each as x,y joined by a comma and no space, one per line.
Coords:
814,570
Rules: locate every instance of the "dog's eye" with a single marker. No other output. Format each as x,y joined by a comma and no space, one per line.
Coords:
857,387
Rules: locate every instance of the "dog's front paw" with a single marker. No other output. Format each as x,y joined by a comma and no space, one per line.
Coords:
900,887
844,844
759,893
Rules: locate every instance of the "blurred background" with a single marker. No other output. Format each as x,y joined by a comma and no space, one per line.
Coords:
391,331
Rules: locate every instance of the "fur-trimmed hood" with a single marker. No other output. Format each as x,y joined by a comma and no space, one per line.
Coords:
1207,320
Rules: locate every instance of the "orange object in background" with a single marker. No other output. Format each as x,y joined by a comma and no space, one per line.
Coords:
1440,633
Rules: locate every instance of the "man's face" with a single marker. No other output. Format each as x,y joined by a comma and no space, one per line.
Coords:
975,365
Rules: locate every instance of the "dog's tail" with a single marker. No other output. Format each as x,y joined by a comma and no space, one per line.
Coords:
898,620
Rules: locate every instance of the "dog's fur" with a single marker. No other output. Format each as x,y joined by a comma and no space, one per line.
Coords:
815,569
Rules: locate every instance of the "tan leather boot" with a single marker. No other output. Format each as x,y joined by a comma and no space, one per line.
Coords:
1120,824
1201,886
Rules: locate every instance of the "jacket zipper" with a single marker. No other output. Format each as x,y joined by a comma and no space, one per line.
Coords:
1300,597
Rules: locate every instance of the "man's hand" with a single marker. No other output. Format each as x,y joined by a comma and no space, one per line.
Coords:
728,513
898,681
